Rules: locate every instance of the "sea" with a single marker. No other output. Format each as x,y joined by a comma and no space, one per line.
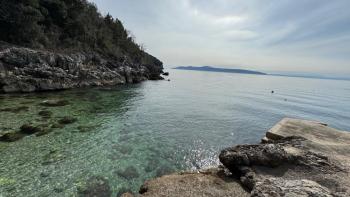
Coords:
127,134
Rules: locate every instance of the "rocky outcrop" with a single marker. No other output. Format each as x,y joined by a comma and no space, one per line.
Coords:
212,182
296,158
27,70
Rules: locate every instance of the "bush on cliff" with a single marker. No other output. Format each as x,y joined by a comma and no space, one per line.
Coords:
68,25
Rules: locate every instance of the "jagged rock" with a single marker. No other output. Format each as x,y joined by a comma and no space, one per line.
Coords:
27,70
248,155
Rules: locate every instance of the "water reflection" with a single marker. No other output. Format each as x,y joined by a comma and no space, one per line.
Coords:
125,135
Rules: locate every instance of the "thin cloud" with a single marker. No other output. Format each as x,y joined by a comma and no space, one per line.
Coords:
263,35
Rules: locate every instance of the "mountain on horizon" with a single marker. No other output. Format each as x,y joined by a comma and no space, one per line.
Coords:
215,69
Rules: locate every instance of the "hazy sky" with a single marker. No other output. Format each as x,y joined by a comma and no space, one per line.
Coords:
266,35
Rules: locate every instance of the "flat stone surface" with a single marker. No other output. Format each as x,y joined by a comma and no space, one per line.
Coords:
320,138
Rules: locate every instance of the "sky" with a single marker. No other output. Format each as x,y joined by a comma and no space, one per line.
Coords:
284,36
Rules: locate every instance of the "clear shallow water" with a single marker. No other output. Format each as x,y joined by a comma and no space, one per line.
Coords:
155,127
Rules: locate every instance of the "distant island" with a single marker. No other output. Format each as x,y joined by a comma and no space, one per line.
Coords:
214,69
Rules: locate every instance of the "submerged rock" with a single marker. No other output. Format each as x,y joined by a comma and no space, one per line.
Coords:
11,137
45,114
85,128
30,129
124,149
15,109
52,157
26,129
128,173
54,103
67,120
163,170
44,131
152,165
57,126
95,187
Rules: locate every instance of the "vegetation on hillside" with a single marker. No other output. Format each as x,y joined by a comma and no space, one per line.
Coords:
67,25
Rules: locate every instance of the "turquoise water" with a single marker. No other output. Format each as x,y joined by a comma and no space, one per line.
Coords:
136,132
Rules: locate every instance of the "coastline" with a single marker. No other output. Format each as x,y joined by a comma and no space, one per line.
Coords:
28,70
295,158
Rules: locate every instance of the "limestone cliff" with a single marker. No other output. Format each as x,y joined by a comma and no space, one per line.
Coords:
27,70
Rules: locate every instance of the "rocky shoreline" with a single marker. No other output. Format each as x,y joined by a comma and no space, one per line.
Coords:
296,158
28,70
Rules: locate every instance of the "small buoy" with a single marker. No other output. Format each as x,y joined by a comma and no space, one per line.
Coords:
168,79
272,92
